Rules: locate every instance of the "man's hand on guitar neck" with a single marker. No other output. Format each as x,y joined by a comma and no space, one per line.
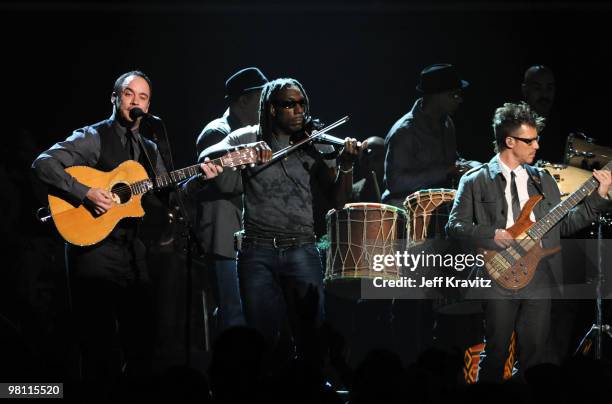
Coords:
264,153
604,178
210,170
101,199
502,238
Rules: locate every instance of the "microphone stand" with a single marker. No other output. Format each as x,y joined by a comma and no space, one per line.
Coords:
599,327
190,237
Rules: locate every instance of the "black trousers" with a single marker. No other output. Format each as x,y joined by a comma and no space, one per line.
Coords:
112,307
526,312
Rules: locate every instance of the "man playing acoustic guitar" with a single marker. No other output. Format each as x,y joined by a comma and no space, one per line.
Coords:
111,294
487,211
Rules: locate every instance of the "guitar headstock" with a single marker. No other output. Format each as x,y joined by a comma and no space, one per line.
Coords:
240,157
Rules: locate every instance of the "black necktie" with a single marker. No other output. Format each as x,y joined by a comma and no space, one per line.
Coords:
129,147
516,205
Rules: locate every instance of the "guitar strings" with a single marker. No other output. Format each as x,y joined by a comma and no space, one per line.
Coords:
126,190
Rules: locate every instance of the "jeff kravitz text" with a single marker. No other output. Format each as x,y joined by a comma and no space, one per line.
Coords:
412,262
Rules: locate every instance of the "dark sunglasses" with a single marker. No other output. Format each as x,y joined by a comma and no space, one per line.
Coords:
290,104
527,141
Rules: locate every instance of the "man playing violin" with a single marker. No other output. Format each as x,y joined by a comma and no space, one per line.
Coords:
279,266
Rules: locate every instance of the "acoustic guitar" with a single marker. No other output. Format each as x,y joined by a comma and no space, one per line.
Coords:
78,224
514,267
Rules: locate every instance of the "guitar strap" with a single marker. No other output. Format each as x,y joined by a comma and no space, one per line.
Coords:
536,180
146,153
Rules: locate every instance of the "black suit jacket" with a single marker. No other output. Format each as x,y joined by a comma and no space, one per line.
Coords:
480,208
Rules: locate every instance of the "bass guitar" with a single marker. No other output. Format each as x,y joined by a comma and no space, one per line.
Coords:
513,267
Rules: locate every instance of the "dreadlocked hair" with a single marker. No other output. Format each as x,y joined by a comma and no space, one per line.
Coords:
268,94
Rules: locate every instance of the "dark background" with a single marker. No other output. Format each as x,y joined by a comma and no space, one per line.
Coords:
357,58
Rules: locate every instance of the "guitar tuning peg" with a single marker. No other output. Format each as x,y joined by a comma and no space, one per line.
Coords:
252,165
242,166
234,168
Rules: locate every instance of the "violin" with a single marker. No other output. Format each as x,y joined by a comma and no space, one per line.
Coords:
313,126
315,136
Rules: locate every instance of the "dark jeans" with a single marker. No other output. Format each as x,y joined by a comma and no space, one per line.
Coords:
227,292
280,284
527,312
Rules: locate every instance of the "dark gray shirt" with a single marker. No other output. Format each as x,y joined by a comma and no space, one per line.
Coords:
278,198
82,148
417,154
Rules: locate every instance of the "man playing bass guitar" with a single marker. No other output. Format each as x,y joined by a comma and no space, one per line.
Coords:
487,210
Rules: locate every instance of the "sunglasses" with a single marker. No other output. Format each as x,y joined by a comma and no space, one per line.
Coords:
290,104
527,141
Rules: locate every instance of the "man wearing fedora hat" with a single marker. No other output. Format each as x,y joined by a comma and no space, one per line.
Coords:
421,148
421,153
219,214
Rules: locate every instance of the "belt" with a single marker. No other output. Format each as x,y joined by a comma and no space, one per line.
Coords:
279,242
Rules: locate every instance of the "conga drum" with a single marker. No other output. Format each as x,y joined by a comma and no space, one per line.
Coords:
356,234
428,212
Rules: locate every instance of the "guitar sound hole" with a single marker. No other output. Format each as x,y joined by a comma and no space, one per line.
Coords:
121,192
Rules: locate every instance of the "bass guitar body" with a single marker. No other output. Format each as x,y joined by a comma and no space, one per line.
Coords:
513,268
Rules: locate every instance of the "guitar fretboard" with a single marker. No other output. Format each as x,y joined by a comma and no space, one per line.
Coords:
165,180
176,176
543,225
236,158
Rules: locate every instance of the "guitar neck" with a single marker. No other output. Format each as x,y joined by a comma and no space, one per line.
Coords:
170,178
542,226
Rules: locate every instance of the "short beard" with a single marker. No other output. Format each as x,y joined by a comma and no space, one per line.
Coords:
121,119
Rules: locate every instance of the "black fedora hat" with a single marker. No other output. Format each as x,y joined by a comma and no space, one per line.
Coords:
244,81
439,78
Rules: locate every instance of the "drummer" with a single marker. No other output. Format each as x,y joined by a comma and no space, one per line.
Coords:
421,148
421,153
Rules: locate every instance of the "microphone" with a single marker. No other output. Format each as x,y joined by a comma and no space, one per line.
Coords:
148,121
136,113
